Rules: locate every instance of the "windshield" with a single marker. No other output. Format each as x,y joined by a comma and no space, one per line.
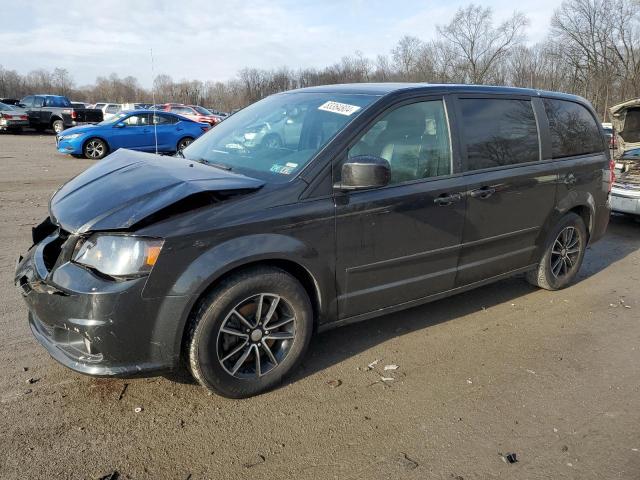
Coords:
275,138
202,110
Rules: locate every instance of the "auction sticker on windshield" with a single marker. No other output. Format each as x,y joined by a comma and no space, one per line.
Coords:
337,107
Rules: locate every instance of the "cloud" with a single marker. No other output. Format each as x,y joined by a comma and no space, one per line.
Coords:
213,40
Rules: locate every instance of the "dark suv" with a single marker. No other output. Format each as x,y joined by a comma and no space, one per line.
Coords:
392,195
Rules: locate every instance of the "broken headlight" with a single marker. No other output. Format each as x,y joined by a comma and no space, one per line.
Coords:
118,255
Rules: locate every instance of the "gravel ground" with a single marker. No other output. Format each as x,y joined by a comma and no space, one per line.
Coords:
553,377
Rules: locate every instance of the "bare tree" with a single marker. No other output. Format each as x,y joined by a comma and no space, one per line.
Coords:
481,46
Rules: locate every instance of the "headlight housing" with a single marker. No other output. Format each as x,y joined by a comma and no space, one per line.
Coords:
250,135
70,136
118,255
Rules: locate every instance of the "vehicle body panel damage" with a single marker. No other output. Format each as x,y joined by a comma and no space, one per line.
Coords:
129,186
625,118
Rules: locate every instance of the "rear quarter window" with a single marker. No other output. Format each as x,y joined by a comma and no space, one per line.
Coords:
498,132
574,131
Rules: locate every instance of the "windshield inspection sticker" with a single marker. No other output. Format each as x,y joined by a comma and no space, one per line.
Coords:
337,107
282,169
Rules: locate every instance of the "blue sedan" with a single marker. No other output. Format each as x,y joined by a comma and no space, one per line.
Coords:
143,130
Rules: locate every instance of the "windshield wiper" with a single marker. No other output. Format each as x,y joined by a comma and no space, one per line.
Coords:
204,161
221,166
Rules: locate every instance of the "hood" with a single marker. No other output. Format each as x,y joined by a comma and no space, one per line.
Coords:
127,187
80,129
625,119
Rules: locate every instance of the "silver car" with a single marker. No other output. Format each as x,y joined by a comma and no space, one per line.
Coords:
12,118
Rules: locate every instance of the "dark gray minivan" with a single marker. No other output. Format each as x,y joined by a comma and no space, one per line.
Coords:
307,210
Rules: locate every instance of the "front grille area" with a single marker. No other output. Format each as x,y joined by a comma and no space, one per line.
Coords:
58,249
51,252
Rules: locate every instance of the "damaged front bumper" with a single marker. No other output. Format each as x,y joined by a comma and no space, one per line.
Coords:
91,324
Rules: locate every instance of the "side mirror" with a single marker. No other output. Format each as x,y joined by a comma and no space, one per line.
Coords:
364,171
120,125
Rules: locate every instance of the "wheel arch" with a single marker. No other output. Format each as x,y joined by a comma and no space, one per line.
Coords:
295,269
54,118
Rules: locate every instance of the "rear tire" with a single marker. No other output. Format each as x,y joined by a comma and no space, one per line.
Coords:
95,149
184,143
563,254
249,332
57,126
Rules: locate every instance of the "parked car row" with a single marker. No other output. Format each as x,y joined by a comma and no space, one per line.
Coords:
142,130
58,113
194,112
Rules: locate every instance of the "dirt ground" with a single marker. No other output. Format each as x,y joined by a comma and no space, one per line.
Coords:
553,377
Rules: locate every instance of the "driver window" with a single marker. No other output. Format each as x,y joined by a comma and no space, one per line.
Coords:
414,139
137,120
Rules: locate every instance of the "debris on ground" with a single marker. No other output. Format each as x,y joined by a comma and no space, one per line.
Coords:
137,409
31,381
124,389
407,462
254,461
25,369
469,381
334,383
509,458
372,364
28,391
387,379
111,476
565,448
391,367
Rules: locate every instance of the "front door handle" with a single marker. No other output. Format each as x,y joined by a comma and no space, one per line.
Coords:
570,179
447,199
482,193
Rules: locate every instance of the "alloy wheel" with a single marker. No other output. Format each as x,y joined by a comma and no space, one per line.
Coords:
184,144
565,252
256,336
95,149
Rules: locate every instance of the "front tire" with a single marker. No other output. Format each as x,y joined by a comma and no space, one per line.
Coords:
95,149
563,254
249,332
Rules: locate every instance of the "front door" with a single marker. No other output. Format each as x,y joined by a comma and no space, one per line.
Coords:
136,134
510,191
400,243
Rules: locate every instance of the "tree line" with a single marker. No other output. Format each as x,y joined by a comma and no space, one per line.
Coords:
592,49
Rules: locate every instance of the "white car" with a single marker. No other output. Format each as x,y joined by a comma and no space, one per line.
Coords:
110,110
625,192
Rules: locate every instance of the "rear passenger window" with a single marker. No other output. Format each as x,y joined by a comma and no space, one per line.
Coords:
574,131
499,132
414,139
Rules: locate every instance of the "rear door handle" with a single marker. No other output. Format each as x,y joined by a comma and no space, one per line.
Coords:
482,193
447,199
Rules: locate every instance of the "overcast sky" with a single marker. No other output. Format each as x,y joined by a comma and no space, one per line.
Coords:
212,40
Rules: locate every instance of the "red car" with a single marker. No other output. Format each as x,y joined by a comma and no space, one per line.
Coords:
192,112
